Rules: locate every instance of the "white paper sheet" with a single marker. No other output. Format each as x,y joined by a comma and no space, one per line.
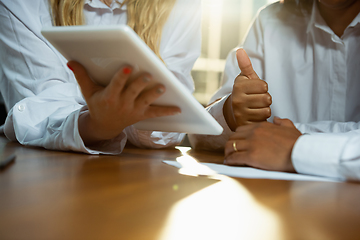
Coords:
195,168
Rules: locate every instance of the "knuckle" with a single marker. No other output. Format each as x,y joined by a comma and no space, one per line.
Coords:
239,115
133,91
240,78
154,114
243,85
239,101
258,130
146,102
252,155
264,113
268,99
238,88
109,100
267,112
265,86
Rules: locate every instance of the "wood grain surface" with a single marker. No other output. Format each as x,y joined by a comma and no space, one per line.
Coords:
61,195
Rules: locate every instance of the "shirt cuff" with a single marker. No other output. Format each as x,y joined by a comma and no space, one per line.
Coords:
318,154
213,142
216,110
153,139
113,146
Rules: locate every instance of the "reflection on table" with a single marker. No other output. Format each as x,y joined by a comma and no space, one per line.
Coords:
61,195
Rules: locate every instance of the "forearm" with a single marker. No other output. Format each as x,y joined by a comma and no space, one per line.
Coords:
329,155
229,114
55,127
327,127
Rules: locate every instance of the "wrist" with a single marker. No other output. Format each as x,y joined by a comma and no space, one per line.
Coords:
229,114
90,132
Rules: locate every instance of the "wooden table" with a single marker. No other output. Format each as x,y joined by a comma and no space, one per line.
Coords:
59,195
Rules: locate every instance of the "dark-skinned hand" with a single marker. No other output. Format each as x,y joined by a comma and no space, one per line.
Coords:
250,101
263,145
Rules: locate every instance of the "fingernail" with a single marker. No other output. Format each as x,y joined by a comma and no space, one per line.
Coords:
160,90
70,67
126,70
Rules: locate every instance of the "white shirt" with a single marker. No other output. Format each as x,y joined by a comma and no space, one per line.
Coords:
41,93
314,80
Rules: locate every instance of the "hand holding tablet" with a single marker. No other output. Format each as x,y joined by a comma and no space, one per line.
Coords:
103,50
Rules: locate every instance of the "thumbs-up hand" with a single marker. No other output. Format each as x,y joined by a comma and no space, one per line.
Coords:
250,100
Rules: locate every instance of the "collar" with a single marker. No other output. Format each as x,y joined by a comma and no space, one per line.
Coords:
98,4
355,22
316,20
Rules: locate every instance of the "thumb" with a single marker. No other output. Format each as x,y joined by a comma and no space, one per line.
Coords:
283,122
87,86
245,64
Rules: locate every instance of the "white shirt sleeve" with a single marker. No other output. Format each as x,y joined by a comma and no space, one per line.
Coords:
329,155
42,94
40,91
327,127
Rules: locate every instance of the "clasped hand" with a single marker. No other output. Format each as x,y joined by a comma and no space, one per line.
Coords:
256,143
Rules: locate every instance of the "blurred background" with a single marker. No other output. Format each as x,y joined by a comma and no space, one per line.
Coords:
224,25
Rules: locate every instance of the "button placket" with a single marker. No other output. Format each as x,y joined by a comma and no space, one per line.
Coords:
338,106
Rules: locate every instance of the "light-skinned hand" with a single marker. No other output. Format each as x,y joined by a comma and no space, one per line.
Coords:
263,145
250,101
126,100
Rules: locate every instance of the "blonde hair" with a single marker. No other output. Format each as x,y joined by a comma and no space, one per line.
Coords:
146,17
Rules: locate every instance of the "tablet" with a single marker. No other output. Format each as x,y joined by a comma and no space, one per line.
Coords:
102,50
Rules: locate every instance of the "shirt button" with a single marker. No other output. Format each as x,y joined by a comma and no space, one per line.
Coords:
21,107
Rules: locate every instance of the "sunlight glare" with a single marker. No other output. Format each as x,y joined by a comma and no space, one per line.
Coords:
224,210
191,167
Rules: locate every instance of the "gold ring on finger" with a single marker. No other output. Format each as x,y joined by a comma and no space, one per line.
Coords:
234,146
